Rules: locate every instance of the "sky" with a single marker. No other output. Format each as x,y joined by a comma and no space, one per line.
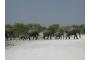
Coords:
45,12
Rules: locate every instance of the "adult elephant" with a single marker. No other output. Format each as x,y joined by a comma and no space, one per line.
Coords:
6,35
23,36
48,34
73,31
33,33
59,35
10,34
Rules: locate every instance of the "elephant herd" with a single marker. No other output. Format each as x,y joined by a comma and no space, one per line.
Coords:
46,34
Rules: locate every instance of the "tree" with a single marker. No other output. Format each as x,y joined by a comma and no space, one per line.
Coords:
82,28
75,26
38,27
8,26
29,26
20,28
54,27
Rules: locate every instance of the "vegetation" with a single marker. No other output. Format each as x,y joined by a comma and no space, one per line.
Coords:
54,27
19,27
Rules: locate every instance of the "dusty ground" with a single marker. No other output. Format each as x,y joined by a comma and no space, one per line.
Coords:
45,49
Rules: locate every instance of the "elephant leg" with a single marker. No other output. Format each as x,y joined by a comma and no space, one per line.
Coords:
69,37
36,37
11,37
29,38
66,37
61,37
33,37
24,38
43,37
47,37
21,38
6,36
57,37
76,36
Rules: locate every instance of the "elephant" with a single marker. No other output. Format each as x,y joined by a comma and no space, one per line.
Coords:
73,31
48,34
59,35
23,36
10,34
33,33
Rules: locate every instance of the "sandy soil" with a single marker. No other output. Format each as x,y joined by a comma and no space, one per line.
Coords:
45,49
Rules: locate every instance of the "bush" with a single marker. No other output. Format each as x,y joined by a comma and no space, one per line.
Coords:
54,27
20,28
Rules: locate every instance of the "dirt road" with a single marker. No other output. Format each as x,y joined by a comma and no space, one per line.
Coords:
47,50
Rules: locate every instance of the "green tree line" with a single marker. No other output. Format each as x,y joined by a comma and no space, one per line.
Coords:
20,27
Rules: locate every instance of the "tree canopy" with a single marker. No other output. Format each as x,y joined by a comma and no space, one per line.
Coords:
20,27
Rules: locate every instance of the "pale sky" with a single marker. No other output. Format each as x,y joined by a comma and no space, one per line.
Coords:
45,12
